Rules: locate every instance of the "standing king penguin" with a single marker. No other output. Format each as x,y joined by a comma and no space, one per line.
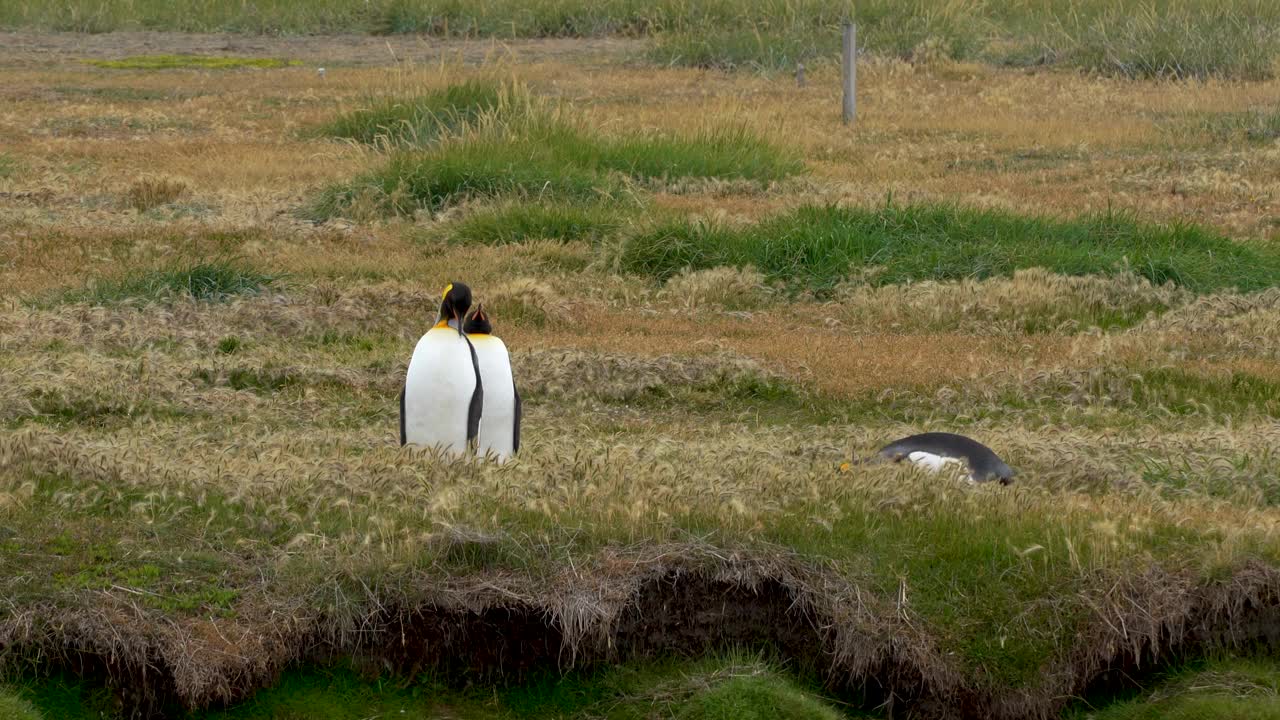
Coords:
500,419
443,393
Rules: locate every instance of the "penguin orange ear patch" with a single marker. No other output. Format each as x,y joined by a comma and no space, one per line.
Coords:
447,288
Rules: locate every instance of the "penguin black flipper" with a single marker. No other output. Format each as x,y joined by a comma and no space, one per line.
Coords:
404,437
515,433
477,399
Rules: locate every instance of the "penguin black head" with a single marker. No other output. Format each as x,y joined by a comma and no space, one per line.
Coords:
478,322
454,304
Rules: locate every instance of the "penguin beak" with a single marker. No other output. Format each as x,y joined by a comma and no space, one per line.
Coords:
457,320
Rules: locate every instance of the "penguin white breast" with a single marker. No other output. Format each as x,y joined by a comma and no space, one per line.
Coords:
932,461
438,389
497,422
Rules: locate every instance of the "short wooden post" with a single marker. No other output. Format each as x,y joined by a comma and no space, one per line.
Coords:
850,71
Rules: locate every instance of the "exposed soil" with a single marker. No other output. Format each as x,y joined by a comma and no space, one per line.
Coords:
27,49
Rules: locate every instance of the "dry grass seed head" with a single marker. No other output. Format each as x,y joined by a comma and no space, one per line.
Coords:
527,301
152,192
725,288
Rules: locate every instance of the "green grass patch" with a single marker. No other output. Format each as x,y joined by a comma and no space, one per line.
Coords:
1252,126
1183,393
13,707
818,246
728,687
210,280
719,688
65,697
10,166
522,222
1188,39
1210,689
178,62
416,121
551,159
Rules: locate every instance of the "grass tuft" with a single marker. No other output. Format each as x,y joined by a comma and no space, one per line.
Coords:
175,62
819,246
526,301
726,288
417,121
523,222
212,280
147,193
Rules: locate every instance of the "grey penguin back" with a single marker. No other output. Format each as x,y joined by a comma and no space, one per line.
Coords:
984,464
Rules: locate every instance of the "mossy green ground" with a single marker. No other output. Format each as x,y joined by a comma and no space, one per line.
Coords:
1219,688
732,687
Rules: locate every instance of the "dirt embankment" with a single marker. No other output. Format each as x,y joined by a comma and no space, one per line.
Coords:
676,601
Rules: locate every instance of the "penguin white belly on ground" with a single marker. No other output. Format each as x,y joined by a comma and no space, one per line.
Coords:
931,462
443,394
500,417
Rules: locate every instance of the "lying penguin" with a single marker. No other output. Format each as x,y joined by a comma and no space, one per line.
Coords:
934,451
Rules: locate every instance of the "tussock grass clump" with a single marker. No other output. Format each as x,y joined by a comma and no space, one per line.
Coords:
151,192
523,222
727,288
211,280
396,122
171,62
819,246
526,301
551,157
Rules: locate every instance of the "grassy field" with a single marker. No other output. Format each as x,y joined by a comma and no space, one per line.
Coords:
717,296
1134,38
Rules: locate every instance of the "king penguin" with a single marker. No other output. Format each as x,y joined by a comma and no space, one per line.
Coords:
936,450
443,393
500,419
